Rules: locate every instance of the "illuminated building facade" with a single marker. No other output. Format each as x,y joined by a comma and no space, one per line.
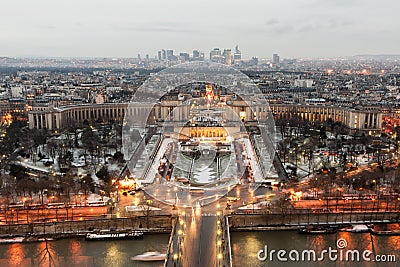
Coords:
368,120
13,109
365,119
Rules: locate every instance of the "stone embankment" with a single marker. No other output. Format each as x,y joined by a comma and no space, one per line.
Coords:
69,229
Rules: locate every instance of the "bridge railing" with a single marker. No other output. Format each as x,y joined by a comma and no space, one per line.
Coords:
223,246
134,157
169,261
228,247
154,152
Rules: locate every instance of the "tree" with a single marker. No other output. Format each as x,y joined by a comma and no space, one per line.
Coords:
18,171
8,186
42,187
87,184
12,138
51,148
146,209
104,175
90,141
118,156
68,185
283,205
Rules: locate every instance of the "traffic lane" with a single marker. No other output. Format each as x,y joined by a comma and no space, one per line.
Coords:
344,204
199,248
52,214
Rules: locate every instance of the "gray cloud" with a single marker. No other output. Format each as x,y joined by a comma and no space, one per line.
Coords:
328,24
336,3
258,27
47,27
272,22
161,27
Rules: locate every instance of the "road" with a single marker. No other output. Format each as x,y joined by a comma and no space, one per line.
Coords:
199,244
18,216
340,205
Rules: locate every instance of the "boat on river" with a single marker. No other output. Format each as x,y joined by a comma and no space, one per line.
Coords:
385,232
318,230
356,228
150,256
21,239
113,235
12,240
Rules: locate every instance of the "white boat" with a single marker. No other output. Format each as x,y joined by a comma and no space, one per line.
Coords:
21,239
37,239
356,228
12,240
150,256
385,232
113,235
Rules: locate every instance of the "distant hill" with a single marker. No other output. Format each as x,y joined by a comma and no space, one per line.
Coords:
381,56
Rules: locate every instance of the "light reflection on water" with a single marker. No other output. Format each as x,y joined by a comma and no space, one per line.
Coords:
245,246
17,255
239,249
78,252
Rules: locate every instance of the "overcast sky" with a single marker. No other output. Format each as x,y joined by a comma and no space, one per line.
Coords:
124,28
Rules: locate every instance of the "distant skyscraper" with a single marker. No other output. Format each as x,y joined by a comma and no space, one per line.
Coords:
196,54
237,56
227,56
184,56
138,56
275,59
159,56
163,55
201,56
254,61
215,55
170,55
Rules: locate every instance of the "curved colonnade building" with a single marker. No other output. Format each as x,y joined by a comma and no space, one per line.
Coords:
368,120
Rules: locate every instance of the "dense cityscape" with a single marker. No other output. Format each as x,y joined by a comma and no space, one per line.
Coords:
75,163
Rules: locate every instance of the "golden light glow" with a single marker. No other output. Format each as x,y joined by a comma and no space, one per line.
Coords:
127,183
209,94
295,196
6,119
242,115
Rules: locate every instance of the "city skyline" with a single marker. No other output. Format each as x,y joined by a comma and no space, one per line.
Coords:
103,29
201,159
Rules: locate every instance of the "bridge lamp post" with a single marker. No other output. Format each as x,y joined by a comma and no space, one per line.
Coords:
175,259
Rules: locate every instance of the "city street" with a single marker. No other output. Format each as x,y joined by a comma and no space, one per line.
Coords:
22,216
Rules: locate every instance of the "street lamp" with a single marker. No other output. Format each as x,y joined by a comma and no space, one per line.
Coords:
175,259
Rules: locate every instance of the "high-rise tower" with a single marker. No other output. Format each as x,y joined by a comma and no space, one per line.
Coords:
227,56
275,59
237,56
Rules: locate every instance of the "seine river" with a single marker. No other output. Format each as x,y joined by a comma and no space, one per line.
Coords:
245,245
78,252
